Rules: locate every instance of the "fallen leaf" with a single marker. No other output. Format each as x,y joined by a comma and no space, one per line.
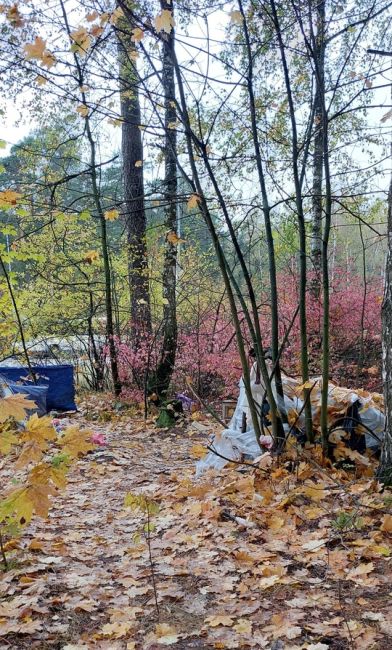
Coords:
386,524
219,619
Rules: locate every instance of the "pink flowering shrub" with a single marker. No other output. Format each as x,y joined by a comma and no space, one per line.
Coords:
348,306
207,352
206,355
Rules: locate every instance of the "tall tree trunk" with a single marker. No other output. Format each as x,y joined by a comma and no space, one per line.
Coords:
385,467
133,181
301,230
169,345
317,189
269,235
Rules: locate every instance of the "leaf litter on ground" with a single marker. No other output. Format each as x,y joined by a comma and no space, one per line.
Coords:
296,557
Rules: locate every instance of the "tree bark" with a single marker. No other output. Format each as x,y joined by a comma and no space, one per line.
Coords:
169,345
279,441
317,197
133,181
385,468
301,230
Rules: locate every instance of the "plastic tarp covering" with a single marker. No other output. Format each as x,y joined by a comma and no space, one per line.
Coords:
58,378
234,444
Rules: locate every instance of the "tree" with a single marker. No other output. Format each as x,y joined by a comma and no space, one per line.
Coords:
133,176
385,467
318,44
169,275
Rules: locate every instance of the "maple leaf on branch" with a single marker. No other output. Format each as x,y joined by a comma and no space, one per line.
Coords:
9,198
76,442
81,41
173,238
15,406
111,215
193,201
13,15
46,473
164,22
38,50
39,430
137,35
91,257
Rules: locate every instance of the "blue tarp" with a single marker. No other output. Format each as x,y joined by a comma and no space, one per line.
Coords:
59,379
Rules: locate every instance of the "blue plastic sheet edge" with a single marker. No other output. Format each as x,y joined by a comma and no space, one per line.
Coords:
58,378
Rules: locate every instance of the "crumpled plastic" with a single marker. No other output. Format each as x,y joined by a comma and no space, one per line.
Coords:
234,444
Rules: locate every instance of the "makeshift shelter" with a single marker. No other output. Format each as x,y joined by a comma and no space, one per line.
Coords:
347,409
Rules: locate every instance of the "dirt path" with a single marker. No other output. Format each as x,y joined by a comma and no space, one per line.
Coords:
280,577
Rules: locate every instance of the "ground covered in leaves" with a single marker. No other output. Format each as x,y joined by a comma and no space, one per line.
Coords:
138,554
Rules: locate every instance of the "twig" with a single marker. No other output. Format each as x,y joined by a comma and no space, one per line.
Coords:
148,539
3,555
344,615
208,408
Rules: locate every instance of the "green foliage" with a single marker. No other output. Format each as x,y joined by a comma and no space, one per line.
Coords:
346,521
39,452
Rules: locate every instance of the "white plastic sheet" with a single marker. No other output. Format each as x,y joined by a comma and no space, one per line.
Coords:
234,444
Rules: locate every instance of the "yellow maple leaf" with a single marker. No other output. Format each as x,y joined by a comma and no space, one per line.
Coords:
116,15
14,16
164,22
31,453
173,238
39,430
236,17
45,473
96,31
111,215
15,406
81,41
37,495
35,50
24,501
193,201
38,50
82,109
48,59
139,163
198,451
76,442
9,198
7,440
41,81
91,257
137,35
18,506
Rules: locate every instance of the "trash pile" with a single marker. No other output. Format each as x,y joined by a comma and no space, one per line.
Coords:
354,417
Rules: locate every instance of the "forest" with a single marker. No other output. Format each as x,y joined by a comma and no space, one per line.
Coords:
195,324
